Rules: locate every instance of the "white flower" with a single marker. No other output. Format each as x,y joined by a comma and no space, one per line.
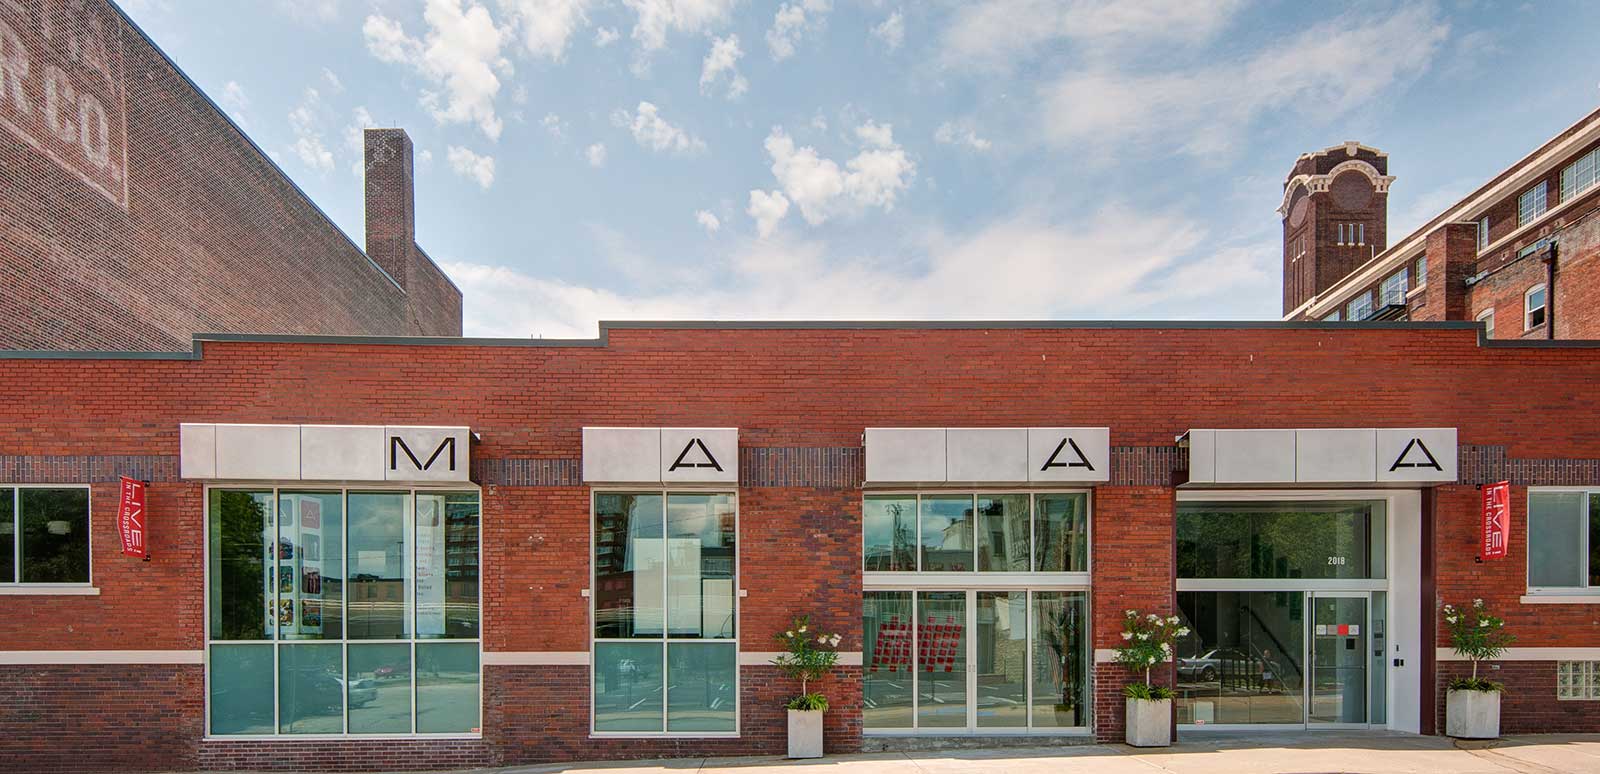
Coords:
802,630
1131,613
1152,659
1172,619
834,640
1165,648
1183,631
789,633
1483,623
1477,603
1144,635
1153,617
1127,635
1450,618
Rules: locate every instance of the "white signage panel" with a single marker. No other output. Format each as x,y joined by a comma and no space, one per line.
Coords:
324,452
1069,454
905,454
637,455
981,454
1416,454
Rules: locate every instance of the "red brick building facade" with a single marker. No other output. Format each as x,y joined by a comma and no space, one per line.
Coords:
134,213
132,666
1517,255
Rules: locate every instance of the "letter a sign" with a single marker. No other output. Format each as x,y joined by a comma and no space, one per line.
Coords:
1415,454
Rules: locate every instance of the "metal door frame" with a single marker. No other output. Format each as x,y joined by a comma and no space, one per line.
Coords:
1311,664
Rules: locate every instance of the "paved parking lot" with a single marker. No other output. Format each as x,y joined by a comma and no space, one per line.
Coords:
1290,753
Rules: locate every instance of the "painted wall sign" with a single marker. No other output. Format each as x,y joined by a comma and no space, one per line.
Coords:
987,455
62,89
1496,521
325,452
132,519
640,455
1322,455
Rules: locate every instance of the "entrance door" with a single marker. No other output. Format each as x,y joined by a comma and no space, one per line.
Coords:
1339,659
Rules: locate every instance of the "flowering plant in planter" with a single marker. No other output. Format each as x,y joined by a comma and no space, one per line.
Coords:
807,656
1147,641
1478,635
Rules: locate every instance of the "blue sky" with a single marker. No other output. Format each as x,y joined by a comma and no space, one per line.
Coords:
582,160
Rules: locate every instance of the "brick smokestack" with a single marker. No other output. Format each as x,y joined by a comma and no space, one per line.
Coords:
391,201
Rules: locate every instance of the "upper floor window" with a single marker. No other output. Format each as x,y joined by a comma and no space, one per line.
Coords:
1483,233
1352,233
1487,318
951,532
1531,204
1564,541
44,534
1394,287
1419,270
1300,539
1333,316
1359,308
1533,308
1580,175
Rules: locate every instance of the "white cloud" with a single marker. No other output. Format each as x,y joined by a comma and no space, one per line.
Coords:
547,25
997,33
310,10
792,22
1327,69
707,221
961,133
768,209
596,154
656,18
479,169
305,120
723,58
425,157
654,132
1052,268
236,102
331,81
605,36
460,53
552,123
355,139
822,189
892,31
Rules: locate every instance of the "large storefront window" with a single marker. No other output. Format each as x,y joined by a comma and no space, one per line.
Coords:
1043,532
342,612
1285,601
1564,542
666,651
1004,647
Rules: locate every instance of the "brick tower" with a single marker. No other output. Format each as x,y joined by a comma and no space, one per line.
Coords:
1335,217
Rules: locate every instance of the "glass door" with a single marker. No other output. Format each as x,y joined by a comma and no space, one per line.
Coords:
1339,659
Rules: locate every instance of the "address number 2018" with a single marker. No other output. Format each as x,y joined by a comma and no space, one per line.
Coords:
1335,561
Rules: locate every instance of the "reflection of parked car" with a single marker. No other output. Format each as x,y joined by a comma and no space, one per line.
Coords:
1206,666
362,692
326,691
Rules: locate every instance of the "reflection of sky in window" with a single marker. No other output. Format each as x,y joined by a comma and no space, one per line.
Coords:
377,523
939,514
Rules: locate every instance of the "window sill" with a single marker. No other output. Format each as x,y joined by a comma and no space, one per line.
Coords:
1561,599
661,735
48,589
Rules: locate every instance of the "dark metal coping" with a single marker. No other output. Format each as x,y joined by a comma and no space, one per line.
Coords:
976,325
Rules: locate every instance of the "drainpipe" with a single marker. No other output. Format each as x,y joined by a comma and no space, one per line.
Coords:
1550,291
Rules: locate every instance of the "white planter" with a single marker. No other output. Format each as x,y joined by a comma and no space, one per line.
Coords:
1149,722
805,733
1472,714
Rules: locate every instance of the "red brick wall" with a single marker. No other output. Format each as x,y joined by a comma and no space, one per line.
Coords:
73,719
204,235
800,545
1529,704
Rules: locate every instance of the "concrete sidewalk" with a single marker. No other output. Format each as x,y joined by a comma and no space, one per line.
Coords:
1289,753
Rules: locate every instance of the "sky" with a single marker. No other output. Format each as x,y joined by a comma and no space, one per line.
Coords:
586,160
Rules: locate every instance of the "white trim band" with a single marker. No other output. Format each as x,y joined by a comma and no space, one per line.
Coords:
536,658
49,590
41,657
1560,599
1532,654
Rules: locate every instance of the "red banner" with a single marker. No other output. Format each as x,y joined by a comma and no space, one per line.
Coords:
1496,520
131,519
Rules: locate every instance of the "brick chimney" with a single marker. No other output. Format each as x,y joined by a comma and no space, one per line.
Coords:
391,202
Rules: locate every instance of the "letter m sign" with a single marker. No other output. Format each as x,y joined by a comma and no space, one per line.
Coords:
426,454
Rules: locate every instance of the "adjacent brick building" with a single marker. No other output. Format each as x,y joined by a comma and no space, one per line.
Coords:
468,564
1518,254
134,213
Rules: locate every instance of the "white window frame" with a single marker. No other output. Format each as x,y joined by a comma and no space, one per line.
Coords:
1351,306
1528,309
1361,233
1585,592
1419,268
1533,203
1334,316
884,580
1487,318
19,587
1483,233
1388,294
732,490
276,643
1580,175
1583,675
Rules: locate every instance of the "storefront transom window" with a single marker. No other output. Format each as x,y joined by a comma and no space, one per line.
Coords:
342,612
666,653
